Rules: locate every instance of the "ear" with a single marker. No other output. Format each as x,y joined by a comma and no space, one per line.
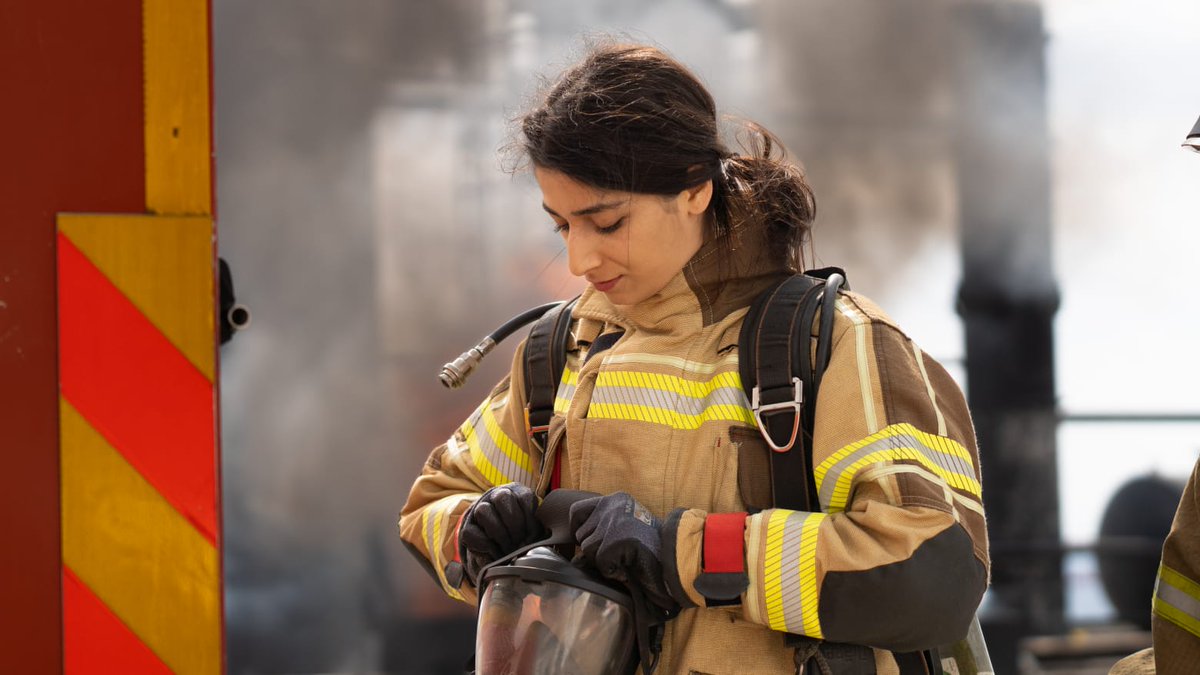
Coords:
694,200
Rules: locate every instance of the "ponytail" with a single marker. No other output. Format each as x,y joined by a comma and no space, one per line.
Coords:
760,189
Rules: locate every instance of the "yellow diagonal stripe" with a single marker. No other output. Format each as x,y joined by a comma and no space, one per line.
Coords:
772,568
671,383
671,418
178,149
808,574
437,514
502,441
164,265
137,554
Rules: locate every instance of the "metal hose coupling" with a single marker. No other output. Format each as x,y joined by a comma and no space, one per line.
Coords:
455,373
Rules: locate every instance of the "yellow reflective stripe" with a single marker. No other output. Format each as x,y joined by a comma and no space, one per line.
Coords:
490,473
497,457
443,508
566,390
669,400
506,444
944,457
790,571
433,519
671,418
808,575
755,607
772,569
864,368
1177,599
669,383
1179,581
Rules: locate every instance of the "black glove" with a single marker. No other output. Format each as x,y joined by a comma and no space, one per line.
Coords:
622,540
498,523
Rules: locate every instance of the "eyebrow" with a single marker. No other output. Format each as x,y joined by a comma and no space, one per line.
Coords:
591,210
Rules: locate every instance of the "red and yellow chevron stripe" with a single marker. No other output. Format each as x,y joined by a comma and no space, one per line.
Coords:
140,489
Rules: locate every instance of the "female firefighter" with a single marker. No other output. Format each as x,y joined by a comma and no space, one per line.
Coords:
676,235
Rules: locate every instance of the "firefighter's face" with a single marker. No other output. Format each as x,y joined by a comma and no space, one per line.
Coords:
627,245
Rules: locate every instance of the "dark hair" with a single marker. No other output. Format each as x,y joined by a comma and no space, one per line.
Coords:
631,118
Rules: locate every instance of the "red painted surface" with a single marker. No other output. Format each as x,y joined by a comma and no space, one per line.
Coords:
139,391
97,641
70,80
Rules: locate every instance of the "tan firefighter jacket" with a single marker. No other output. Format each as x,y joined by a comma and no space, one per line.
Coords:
1175,621
898,558
1176,618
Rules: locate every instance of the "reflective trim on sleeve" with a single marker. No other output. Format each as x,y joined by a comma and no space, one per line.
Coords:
433,524
944,457
497,456
1177,599
790,572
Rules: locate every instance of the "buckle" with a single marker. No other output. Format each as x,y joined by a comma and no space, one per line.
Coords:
760,411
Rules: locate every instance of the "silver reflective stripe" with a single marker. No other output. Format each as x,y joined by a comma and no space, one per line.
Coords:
793,611
666,400
498,465
889,446
1178,599
1175,599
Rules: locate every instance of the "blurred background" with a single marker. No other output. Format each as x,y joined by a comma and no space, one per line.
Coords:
373,232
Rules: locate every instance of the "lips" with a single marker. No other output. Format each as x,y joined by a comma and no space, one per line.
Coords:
606,286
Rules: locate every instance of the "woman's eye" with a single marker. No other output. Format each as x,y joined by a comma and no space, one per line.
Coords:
612,228
559,228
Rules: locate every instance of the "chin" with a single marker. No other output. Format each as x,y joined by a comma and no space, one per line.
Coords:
620,297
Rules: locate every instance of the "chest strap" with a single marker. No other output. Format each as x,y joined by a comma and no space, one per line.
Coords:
778,373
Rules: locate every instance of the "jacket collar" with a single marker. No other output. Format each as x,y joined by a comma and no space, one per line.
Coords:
709,288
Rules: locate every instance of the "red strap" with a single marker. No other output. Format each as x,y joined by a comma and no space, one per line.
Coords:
556,475
724,543
457,527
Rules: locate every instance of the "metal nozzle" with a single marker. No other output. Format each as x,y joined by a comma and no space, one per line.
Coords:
239,317
455,373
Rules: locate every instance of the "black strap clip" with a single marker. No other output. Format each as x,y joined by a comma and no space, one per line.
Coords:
765,410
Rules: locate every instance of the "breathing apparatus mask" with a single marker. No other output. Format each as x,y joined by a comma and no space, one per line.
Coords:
539,614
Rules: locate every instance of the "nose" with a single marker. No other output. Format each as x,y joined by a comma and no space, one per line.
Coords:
583,252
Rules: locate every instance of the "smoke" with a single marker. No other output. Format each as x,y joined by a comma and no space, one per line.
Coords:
374,237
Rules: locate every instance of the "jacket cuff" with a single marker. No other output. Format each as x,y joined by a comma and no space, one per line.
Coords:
683,539
723,579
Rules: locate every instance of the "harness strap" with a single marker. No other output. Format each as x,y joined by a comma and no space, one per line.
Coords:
775,373
545,358
781,380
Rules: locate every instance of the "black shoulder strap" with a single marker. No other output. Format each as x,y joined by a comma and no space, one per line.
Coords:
780,378
545,359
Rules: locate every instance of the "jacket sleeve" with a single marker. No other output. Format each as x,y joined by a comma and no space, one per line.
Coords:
1176,617
490,448
898,557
